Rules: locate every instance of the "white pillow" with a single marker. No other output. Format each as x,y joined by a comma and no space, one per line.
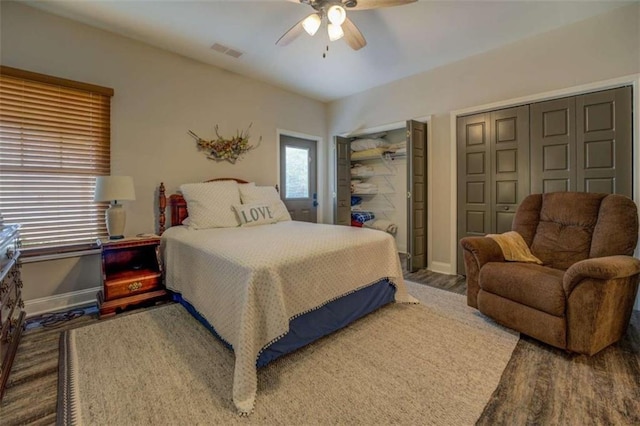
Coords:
255,214
210,204
267,195
362,144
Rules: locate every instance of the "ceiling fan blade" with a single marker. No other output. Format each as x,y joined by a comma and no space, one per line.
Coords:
352,35
293,33
376,4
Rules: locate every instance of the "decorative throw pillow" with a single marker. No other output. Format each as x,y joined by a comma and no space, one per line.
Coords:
210,204
254,214
514,247
267,195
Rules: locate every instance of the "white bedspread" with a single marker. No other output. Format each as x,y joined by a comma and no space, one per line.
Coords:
249,282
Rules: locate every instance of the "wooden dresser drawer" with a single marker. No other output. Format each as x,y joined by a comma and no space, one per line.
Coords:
11,305
127,286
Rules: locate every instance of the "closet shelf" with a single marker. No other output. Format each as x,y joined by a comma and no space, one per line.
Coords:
389,156
364,194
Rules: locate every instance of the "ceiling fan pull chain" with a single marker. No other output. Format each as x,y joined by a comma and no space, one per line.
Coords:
324,54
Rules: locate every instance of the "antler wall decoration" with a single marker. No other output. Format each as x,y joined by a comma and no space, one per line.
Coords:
229,149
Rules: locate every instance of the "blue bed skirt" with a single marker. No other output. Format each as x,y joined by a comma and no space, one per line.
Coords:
317,323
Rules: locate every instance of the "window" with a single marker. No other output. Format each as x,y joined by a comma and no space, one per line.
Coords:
297,172
54,141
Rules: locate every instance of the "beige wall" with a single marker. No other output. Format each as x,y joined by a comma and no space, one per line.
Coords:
158,97
600,48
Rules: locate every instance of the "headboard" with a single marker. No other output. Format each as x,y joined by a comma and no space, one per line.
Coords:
177,206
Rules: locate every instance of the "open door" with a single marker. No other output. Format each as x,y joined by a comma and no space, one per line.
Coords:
342,197
416,195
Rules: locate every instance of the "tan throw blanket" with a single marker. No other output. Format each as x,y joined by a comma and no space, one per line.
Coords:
514,248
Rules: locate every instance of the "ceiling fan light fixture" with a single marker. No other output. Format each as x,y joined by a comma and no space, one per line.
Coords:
335,32
336,14
312,23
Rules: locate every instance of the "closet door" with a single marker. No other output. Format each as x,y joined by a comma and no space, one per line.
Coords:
417,195
342,203
493,171
604,142
509,135
474,178
553,146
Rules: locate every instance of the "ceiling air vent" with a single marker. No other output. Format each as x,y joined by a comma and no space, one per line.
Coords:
226,50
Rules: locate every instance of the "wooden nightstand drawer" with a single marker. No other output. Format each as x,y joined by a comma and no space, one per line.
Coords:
127,286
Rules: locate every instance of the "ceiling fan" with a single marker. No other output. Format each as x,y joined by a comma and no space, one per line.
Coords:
334,13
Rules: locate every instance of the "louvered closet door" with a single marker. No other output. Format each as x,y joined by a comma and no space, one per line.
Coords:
342,203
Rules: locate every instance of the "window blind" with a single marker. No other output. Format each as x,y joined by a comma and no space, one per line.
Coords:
54,141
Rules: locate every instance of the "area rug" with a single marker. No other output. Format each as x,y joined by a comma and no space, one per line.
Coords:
436,363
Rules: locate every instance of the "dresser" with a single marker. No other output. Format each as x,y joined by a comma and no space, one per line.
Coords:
11,305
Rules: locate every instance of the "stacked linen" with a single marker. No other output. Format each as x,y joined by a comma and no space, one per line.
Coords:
364,144
359,187
361,217
381,225
362,171
398,148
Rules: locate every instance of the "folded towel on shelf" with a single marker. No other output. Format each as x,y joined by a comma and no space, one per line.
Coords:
358,170
355,200
362,217
358,187
382,225
356,223
368,153
398,145
401,151
367,143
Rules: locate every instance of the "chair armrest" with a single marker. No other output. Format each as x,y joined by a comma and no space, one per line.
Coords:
477,251
484,249
600,268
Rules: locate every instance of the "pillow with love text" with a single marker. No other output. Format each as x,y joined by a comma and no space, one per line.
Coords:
255,214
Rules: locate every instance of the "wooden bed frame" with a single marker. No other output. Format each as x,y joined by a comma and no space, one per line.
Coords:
177,206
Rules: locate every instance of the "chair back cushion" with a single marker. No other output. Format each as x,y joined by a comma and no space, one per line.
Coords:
563,228
617,229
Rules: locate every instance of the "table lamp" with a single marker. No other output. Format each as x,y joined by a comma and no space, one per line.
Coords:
112,189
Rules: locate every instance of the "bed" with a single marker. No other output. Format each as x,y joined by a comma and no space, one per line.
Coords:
270,289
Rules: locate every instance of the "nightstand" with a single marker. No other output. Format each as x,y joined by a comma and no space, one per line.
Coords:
131,273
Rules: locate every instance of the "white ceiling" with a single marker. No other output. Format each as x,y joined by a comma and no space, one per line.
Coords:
402,41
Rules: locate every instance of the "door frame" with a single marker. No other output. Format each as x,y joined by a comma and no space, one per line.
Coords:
629,80
320,160
394,126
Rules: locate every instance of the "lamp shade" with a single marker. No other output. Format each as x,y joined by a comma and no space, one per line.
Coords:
335,32
112,188
337,14
312,23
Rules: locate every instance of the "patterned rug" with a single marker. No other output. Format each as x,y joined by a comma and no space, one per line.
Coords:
433,363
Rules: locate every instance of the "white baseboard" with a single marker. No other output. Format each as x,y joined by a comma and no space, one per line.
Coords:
441,268
61,302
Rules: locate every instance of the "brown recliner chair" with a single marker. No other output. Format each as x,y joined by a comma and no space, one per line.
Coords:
581,297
